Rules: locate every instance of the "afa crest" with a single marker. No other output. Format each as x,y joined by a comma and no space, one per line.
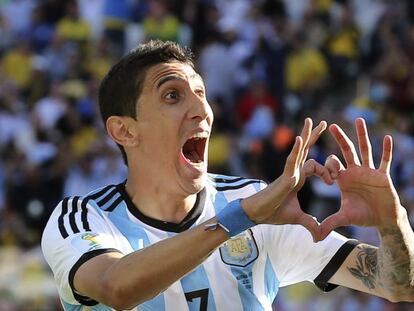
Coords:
240,250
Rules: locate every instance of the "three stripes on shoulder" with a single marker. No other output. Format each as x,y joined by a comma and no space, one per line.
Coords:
75,206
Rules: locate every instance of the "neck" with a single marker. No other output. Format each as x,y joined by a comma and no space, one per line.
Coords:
156,202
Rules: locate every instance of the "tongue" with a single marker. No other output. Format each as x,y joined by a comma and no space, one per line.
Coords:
194,157
190,151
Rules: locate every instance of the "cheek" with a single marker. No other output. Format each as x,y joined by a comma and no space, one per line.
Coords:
162,138
161,131
210,116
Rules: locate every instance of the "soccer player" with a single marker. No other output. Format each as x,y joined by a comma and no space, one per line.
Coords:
173,237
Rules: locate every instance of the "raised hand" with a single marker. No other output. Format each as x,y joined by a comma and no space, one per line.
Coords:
278,204
368,196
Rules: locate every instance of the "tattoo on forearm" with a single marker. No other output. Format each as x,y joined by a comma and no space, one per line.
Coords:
387,267
395,260
366,268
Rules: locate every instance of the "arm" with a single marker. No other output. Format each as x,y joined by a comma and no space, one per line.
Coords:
369,199
125,281
387,271
396,260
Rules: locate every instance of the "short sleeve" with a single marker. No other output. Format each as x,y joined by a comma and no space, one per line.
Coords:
296,258
76,232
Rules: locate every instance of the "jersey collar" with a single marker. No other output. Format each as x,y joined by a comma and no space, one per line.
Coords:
185,224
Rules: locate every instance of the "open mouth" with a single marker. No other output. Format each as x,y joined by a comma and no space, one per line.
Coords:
193,150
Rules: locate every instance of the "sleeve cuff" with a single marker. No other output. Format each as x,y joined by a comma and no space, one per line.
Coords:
333,265
86,301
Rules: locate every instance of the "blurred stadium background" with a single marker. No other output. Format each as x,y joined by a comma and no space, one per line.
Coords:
267,64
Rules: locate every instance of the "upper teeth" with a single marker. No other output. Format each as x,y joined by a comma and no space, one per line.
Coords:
199,135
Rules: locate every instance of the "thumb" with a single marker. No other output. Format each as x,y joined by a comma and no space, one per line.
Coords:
311,225
331,223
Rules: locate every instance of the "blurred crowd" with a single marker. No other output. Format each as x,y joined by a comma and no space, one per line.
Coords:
267,64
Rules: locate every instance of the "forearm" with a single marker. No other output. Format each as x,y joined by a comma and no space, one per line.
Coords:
386,271
143,274
396,260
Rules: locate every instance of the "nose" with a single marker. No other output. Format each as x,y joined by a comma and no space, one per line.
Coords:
200,109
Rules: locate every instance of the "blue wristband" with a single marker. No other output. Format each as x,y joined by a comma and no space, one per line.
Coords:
233,219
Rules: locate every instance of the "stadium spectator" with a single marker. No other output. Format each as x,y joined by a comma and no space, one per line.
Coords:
17,63
71,27
160,23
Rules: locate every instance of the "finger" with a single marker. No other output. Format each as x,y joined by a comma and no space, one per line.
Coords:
386,158
331,223
306,130
293,158
305,134
364,143
315,134
346,145
313,168
311,225
334,165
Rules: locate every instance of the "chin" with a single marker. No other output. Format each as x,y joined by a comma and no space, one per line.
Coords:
196,185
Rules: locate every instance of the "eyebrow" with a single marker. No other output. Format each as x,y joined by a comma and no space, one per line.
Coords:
165,79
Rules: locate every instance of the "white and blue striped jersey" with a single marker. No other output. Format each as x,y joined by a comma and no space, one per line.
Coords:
244,273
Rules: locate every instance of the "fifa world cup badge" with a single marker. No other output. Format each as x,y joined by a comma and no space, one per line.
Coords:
240,250
87,242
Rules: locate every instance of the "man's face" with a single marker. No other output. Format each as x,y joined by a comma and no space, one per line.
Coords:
174,123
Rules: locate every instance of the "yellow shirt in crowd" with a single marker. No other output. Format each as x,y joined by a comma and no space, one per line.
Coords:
305,67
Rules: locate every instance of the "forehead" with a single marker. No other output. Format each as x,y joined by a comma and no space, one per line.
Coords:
160,73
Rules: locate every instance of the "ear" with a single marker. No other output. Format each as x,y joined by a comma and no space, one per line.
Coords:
123,130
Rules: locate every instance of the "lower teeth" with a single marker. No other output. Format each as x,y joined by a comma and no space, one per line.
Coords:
194,161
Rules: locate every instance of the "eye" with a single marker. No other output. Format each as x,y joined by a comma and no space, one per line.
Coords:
172,95
200,92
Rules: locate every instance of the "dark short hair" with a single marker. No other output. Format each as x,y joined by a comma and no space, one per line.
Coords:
120,89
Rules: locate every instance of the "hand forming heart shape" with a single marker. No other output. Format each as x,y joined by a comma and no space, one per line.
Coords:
368,196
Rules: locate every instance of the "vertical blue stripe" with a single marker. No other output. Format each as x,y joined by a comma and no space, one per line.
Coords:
219,201
244,279
197,280
271,281
243,275
134,233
